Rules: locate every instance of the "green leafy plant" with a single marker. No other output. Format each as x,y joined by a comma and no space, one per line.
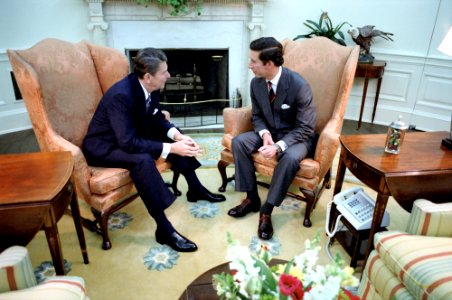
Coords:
180,7
324,28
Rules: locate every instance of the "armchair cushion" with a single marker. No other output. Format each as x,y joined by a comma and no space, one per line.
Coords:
378,282
422,263
104,180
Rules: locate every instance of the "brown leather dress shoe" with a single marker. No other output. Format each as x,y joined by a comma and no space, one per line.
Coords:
265,229
244,208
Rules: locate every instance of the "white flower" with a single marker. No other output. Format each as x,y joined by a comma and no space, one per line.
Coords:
248,281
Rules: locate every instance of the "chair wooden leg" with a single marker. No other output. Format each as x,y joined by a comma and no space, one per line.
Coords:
222,169
327,179
310,201
102,221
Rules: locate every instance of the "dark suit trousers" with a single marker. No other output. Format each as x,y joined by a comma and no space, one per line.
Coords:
146,177
244,145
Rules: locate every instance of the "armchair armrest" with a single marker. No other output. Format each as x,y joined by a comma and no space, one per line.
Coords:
432,219
16,271
327,145
82,172
236,121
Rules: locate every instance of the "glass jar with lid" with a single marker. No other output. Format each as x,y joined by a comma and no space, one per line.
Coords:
395,135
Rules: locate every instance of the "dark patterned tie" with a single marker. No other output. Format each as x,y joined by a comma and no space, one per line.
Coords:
148,102
271,92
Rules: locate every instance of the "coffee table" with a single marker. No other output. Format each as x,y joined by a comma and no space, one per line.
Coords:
35,191
422,169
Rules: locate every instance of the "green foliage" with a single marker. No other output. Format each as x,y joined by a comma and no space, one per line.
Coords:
324,28
180,7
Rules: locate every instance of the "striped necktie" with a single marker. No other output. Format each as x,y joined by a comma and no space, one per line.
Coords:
148,102
271,92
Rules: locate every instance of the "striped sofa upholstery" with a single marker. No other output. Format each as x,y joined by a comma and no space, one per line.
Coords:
17,280
416,264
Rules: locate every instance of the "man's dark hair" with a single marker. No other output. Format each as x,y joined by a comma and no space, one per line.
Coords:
270,50
148,61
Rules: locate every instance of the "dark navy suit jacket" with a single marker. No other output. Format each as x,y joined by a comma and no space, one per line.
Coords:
121,121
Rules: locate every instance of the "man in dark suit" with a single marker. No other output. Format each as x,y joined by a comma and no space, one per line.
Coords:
284,118
129,131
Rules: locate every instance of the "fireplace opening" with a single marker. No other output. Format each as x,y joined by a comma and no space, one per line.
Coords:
198,89
196,74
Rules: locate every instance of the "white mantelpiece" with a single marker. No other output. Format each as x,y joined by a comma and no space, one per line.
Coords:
223,24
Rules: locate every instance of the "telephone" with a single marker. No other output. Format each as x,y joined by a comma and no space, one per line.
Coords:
358,208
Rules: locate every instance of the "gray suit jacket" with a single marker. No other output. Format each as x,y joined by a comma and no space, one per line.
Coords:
294,115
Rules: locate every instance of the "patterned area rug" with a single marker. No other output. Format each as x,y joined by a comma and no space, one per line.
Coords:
137,267
210,144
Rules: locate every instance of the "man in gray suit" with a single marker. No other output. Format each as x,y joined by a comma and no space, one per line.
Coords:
284,118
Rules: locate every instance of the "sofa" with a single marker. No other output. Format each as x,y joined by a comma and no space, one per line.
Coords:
18,282
415,263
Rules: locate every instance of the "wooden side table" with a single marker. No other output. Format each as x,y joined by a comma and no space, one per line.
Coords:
422,169
374,70
35,191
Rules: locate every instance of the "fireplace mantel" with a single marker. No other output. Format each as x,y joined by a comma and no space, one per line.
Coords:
102,12
222,24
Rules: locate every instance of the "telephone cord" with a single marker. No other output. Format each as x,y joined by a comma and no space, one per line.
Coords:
335,230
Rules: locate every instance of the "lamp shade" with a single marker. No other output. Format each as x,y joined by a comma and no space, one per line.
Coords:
446,45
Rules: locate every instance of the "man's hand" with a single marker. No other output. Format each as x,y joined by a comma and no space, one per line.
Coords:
184,146
267,150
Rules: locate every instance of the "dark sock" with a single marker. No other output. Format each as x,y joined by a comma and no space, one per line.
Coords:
267,209
253,196
163,224
193,182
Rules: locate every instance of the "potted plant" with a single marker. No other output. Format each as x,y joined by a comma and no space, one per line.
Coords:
178,6
324,28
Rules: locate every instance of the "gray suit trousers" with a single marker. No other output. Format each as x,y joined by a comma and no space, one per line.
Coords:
247,143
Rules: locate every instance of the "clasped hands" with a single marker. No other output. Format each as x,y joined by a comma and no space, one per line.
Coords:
268,151
185,146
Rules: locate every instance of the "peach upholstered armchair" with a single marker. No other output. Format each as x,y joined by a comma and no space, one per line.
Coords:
61,84
330,69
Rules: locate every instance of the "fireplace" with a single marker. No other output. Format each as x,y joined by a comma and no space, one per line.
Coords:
198,86
215,42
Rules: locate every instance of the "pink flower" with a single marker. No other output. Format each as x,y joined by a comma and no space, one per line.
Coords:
291,286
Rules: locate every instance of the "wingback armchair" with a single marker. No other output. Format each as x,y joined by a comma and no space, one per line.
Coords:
415,263
61,84
329,68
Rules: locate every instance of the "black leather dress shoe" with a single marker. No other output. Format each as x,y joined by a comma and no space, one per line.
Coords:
265,229
244,208
208,196
175,241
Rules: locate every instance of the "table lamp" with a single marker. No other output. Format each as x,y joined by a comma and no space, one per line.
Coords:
446,48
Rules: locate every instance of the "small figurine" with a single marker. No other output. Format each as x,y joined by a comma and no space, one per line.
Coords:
363,36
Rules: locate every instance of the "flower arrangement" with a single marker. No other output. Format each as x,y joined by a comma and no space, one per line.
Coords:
252,277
